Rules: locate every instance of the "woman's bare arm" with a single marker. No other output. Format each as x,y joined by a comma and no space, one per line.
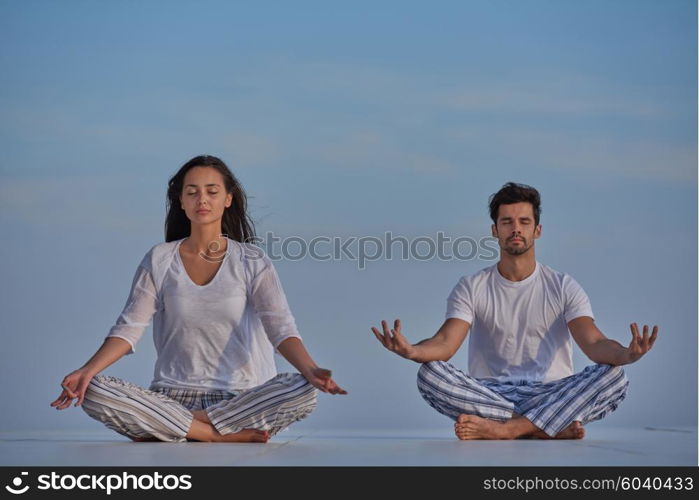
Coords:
75,383
295,353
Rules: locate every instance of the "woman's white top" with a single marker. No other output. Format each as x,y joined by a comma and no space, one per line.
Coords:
218,336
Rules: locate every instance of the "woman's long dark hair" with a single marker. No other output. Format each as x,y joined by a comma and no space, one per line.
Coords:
236,223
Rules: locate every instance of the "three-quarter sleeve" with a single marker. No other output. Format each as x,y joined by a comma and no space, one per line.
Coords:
269,301
140,307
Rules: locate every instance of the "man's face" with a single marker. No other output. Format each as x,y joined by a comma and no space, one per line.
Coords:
516,229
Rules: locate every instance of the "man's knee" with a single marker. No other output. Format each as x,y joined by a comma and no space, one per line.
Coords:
422,374
614,372
433,371
606,370
614,375
428,377
617,371
431,368
621,380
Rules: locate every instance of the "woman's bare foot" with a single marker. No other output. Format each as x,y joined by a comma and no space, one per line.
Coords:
245,436
202,416
574,431
201,430
144,439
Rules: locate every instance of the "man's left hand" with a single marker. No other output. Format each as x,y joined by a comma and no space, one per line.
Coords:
640,344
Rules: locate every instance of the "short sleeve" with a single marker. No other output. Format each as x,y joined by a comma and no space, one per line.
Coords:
140,307
460,303
576,302
269,301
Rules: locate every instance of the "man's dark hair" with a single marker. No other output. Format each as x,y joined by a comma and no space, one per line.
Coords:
515,193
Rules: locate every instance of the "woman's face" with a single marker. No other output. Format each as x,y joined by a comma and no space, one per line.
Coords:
204,196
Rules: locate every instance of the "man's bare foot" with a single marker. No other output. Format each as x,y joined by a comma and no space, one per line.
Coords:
574,431
474,427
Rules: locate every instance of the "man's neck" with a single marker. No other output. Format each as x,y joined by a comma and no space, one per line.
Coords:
517,267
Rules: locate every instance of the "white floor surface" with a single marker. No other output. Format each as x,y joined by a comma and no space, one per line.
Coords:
602,446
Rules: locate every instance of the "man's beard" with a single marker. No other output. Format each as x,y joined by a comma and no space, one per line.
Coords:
517,250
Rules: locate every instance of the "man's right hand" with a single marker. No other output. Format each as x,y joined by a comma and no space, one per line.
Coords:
394,341
74,386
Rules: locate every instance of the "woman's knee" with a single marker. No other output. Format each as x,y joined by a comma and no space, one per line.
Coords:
92,388
93,392
105,392
302,391
309,394
309,398
290,380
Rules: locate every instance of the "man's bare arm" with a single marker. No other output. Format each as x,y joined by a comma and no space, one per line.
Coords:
600,349
440,347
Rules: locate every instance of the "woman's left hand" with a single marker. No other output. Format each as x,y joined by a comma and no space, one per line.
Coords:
320,378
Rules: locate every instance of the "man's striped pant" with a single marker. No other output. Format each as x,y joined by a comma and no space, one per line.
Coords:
166,413
551,406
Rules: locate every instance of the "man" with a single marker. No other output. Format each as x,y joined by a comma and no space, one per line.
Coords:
521,315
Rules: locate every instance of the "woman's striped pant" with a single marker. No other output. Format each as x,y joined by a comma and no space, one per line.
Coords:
166,413
551,406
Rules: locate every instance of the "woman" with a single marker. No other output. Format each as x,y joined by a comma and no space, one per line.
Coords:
218,312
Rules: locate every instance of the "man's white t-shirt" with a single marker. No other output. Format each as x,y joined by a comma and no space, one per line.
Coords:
219,336
519,329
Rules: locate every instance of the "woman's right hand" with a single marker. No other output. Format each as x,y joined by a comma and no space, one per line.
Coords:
74,386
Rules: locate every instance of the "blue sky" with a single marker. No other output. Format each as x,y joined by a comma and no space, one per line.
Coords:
349,119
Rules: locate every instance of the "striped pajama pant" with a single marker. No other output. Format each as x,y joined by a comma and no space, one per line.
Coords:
166,413
551,406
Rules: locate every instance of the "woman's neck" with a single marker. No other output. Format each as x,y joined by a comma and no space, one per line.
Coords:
206,239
